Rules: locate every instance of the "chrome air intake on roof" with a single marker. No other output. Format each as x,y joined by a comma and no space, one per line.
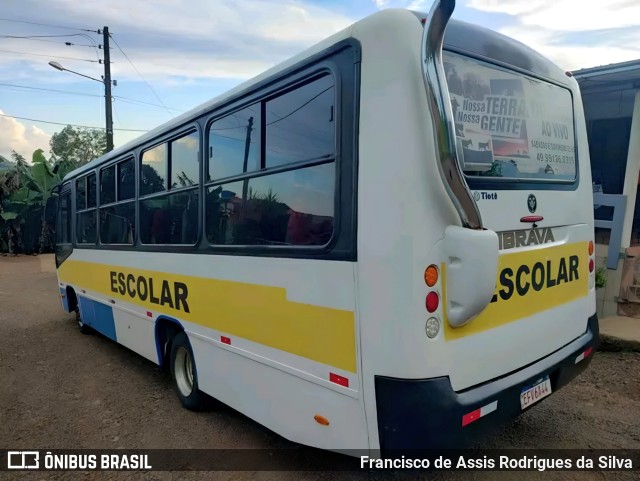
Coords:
442,115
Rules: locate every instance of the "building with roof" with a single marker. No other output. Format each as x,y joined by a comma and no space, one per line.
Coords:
611,99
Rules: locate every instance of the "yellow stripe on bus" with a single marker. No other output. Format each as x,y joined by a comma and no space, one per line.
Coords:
531,282
258,313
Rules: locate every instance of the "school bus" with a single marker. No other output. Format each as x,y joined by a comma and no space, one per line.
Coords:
385,242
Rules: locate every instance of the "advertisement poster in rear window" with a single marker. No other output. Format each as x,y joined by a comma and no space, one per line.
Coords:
508,125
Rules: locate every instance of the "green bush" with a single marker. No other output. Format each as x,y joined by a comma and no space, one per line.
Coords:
601,277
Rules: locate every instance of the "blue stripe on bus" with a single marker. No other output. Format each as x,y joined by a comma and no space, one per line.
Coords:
99,316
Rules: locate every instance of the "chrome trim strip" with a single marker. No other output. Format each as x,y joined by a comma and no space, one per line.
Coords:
442,114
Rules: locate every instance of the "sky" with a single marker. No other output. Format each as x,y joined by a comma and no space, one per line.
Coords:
168,56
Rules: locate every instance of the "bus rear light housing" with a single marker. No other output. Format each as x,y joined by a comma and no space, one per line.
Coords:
432,327
432,302
431,275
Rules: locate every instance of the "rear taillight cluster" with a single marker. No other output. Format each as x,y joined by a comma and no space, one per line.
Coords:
432,301
592,265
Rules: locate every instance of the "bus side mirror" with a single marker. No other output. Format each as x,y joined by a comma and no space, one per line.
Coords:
471,272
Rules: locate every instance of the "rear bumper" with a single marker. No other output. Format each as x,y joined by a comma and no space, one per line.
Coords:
427,414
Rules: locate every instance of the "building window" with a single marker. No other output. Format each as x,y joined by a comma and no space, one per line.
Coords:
171,218
274,206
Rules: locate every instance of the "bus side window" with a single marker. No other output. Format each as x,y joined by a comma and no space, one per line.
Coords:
117,216
170,216
63,230
86,223
234,143
293,205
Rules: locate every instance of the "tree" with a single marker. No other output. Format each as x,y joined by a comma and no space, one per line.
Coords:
23,210
77,146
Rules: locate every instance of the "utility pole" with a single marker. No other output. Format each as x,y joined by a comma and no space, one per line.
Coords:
247,145
107,89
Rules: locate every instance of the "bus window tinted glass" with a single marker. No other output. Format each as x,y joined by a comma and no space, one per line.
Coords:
81,193
108,185
86,229
126,180
184,161
117,224
63,232
234,141
290,208
154,170
300,124
170,219
91,190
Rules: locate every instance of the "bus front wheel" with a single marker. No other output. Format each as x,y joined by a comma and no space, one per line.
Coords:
183,373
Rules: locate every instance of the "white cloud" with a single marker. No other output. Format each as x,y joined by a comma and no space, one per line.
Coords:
201,38
574,56
24,139
567,15
421,5
571,33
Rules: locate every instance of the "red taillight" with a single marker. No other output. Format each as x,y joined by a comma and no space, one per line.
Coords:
432,301
591,265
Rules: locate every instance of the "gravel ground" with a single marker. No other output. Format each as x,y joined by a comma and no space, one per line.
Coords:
60,389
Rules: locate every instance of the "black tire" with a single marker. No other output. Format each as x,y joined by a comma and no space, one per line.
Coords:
82,327
183,373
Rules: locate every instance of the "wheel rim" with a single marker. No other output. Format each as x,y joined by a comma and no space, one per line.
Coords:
184,371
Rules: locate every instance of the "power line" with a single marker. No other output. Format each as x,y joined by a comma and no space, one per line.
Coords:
51,56
72,125
44,24
42,36
136,101
32,38
138,72
71,92
304,104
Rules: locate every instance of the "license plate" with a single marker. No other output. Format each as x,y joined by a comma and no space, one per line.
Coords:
533,394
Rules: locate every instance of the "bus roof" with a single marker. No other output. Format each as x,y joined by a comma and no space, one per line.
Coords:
463,37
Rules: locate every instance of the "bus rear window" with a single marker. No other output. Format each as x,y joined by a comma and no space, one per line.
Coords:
508,125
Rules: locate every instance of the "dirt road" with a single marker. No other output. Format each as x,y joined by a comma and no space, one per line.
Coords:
61,389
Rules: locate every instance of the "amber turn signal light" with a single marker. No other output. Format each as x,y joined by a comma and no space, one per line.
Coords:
431,275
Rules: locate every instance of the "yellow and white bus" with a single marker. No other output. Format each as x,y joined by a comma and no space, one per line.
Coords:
385,242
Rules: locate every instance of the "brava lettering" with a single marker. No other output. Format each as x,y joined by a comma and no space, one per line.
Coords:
537,277
523,238
173,295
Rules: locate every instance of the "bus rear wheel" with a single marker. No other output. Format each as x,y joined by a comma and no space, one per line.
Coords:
183,373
